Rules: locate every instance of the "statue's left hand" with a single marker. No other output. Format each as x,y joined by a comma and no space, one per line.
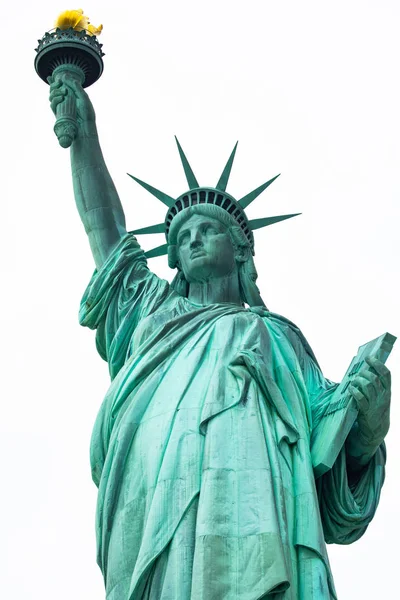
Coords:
371,391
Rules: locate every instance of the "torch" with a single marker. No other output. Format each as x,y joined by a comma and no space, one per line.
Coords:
72,47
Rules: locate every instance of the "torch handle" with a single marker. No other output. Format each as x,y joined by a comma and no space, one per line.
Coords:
66,125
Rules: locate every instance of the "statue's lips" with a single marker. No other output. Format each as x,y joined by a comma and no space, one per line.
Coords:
197,253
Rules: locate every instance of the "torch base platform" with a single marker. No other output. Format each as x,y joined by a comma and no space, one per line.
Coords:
63,47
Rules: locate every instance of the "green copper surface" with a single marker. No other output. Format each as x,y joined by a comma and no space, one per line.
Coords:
202,449
67,53
223,180
190,176
68,46
259,223
158,251
159,228
66,126
167,200
248,199
208,196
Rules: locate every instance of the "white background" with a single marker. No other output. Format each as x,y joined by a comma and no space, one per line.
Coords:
311,90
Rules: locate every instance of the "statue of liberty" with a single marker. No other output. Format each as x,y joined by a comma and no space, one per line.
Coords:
201,450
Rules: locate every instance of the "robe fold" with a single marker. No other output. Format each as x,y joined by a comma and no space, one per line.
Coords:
201,448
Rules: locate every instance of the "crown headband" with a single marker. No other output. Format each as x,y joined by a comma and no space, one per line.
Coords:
202,196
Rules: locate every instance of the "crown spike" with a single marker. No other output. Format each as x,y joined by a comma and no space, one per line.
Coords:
248,199
159,251
190,176
259,223
159,228
168,200
223,180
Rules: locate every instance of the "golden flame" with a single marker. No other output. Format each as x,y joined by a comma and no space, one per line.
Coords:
78,21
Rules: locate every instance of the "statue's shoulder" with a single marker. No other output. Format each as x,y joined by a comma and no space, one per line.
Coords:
294,334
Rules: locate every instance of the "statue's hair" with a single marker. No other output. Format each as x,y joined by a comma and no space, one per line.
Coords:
249,291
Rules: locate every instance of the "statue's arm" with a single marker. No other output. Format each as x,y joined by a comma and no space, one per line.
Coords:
96,197
371,390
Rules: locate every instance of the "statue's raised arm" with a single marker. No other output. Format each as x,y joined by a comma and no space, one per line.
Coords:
96,197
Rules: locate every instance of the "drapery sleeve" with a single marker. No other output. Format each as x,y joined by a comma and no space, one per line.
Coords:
120,294
347,501
347,507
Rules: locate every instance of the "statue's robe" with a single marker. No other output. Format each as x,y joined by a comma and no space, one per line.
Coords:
201,449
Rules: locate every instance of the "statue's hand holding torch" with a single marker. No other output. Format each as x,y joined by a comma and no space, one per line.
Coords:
71,106
68,59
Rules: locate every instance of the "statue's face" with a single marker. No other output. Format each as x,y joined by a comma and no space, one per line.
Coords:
205,249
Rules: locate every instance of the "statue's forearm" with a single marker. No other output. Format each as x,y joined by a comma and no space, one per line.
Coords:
359,449
96,197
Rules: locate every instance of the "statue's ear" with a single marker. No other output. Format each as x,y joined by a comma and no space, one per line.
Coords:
242,253
172,256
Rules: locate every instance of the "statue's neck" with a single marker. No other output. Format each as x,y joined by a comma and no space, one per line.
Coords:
216,290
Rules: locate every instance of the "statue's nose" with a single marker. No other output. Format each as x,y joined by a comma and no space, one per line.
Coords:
196,243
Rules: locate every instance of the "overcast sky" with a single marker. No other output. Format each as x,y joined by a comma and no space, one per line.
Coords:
311,90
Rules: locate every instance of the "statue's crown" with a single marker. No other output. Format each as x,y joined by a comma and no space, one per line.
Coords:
213,196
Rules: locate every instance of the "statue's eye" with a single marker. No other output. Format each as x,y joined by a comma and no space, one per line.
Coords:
183,238
210,230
